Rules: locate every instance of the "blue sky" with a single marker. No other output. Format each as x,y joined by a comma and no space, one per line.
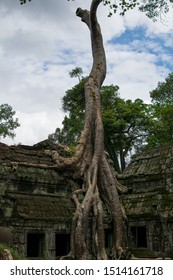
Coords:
139,42
41,43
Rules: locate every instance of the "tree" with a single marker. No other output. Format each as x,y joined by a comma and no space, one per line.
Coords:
126,127
163,94
161,130
91,164
125,122
77,72
7,122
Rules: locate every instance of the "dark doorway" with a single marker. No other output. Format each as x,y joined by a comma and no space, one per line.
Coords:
35,243
139,236
62,244
108,238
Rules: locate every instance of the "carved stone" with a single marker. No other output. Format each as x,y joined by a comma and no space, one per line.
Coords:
36,209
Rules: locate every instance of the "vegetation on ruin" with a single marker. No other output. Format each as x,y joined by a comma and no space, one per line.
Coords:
90,162
125,122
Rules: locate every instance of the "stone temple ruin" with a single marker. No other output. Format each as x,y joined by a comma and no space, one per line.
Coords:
149,202
36,208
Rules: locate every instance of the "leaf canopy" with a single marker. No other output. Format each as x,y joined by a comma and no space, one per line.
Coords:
152,8
7,121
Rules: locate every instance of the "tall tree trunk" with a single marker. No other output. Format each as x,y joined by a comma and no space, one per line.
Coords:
91,164
110,148
87,237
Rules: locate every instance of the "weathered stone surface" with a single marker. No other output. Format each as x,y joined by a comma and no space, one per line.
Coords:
35,202
6,235
149,202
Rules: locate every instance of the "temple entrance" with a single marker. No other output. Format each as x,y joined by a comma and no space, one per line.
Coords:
62,244
108,238
35,243
139,236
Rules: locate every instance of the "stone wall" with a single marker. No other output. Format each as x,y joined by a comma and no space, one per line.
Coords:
149,202
36,208
35,203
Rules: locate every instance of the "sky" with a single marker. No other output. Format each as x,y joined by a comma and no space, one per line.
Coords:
42,41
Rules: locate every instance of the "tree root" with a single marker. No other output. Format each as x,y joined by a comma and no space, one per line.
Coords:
91,165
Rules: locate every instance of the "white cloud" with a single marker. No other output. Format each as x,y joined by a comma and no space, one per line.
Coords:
163,25
40,44
35,127
135,73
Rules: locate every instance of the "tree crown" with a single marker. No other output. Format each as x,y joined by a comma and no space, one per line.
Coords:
152,8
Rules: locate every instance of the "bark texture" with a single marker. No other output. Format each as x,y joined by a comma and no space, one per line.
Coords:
91,164
6,255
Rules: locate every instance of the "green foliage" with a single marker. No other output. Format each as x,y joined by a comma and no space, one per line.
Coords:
120,6
7,122
76,72
128,125
152,8
163,94
125,124
161,131
124,121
